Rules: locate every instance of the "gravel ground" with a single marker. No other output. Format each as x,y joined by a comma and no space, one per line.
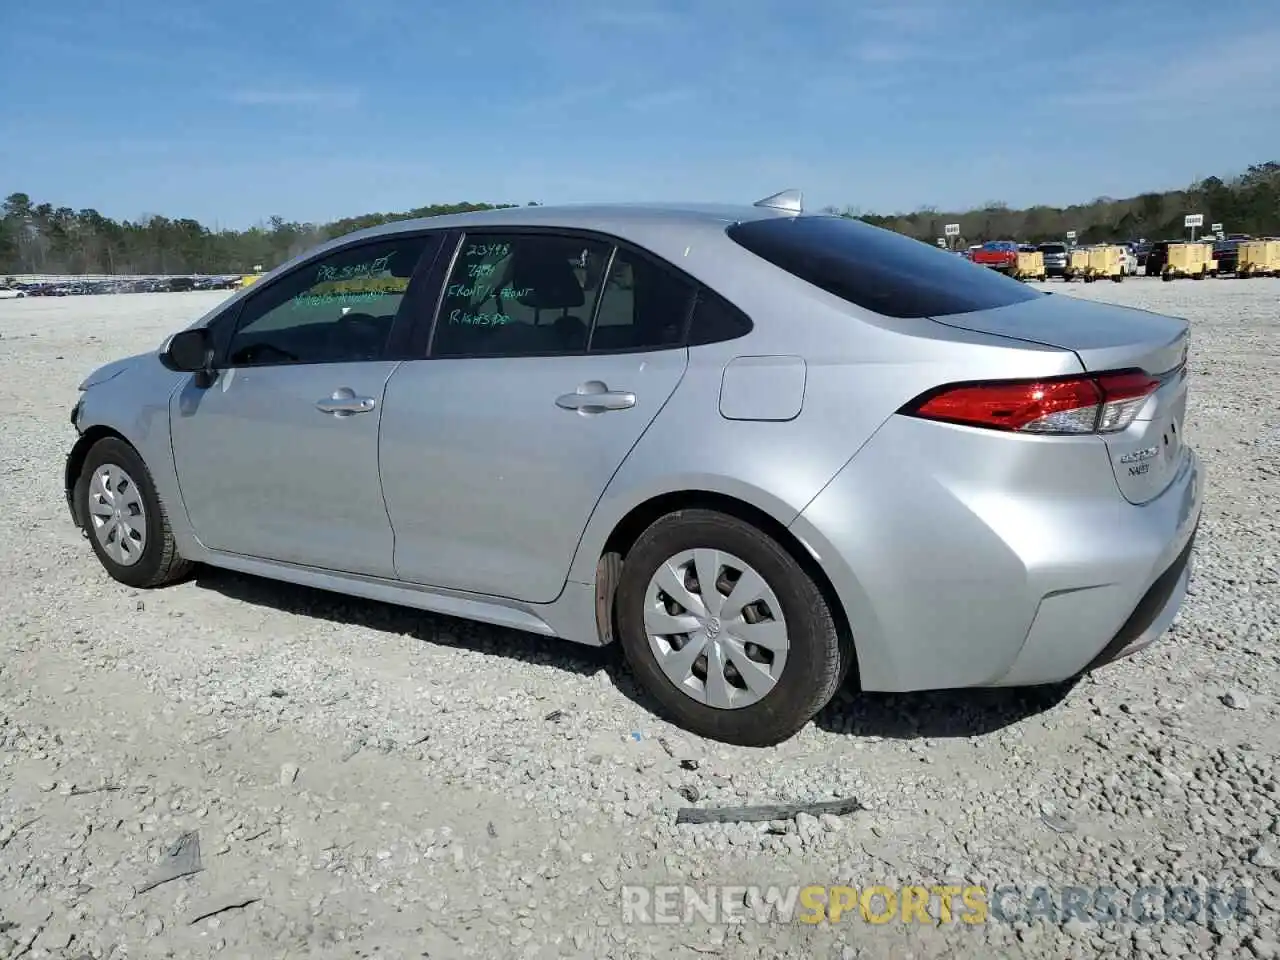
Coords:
367,780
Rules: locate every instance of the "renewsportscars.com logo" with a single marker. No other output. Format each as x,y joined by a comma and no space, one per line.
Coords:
932,905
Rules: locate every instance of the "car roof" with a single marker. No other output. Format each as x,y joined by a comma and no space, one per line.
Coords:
622,219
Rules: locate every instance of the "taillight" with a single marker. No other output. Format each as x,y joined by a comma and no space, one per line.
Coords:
1101,403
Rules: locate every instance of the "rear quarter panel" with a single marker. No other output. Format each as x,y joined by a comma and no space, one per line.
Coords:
943,540
860,369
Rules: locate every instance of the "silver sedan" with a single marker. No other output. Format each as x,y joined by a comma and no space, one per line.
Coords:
762,450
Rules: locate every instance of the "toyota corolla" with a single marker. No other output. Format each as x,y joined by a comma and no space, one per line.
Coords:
762,450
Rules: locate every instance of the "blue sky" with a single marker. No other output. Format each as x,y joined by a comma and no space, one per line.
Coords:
232,111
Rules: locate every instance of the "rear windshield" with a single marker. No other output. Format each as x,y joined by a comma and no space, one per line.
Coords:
1053,247
878,269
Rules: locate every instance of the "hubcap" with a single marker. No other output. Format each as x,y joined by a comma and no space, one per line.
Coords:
117,514
716,628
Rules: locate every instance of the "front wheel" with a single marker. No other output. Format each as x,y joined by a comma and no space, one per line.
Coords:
124,519
726,630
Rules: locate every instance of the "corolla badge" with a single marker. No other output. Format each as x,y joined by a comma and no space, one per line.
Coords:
1138,456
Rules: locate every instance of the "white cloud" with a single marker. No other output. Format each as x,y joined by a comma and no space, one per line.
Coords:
632,17
1232,75
905,15
883,52
296,97
660,99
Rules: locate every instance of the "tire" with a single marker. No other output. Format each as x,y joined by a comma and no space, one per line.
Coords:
817,655
157,562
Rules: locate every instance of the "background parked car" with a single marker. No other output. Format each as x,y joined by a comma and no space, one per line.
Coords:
1129,259
1227,254
1157,257
999,255
1055,258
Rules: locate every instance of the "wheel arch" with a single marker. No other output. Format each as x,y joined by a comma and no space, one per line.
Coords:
629,528
75,463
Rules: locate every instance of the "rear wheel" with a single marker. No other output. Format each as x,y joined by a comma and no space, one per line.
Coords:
124,519
726,630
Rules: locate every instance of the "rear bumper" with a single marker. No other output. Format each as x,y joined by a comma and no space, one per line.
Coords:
967,558
1154,613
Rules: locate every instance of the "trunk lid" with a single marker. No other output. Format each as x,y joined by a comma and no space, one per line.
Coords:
1148,455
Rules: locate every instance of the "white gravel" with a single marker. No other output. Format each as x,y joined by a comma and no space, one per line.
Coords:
367,779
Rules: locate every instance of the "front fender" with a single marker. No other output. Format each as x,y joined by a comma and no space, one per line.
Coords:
109,371
130,399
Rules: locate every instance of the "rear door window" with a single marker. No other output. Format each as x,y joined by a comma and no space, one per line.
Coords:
514,294
643,307
879,270
715,320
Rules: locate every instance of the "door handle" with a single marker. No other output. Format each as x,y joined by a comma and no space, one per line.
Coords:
596,397
344,402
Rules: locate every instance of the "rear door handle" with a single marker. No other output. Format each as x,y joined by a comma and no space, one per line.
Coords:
596,397
344,402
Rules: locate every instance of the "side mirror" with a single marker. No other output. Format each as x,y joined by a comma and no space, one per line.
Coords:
191,351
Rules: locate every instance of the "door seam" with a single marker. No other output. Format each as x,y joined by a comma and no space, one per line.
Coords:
382,492
573,560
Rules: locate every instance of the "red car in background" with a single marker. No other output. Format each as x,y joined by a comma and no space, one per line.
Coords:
997,254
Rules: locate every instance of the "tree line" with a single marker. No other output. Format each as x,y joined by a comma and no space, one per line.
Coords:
1248,203
41,238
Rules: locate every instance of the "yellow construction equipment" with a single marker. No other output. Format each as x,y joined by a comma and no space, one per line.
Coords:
1077,264
1030,266
1194,260
1258,258
1106,262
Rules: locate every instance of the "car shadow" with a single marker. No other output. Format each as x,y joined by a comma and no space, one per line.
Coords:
898,716
423,625
937,714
